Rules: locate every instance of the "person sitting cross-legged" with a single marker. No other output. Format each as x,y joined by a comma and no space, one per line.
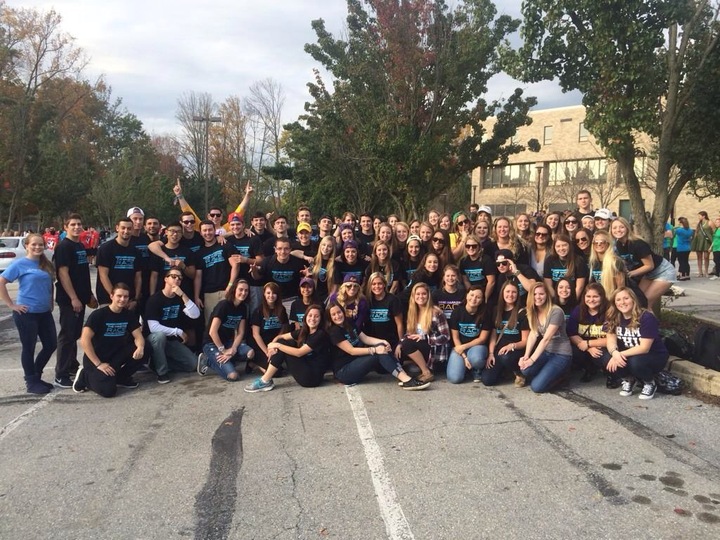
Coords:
164,313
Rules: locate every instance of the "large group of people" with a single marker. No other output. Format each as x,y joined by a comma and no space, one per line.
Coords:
468,295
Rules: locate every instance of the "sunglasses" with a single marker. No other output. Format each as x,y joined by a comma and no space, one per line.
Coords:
599,242
212,214
541,234
439,240
471,246
571,221
578,240
189,221
502,263
174,276
351,285
462,221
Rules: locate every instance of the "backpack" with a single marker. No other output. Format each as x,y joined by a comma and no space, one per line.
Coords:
707,347
667,383
676,344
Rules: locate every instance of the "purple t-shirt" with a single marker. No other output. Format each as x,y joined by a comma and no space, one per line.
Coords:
649,328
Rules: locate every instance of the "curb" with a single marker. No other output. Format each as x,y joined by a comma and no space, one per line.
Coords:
696,377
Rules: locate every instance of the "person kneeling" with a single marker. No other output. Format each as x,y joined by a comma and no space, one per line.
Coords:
109,358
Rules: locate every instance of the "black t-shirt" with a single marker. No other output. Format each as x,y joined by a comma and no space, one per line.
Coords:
194,243
381,318
343,269
167,311
212,260
122,263
158,264
407,271
338,334
297,311
141,243
448,301
287,275
308,251
507,334
555,269
230,317
634,251
270,327
318,342
467,325
502,277
73,256
394,273
247,246
477,271
111,330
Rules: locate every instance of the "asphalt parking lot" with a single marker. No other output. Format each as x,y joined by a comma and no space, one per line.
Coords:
201,458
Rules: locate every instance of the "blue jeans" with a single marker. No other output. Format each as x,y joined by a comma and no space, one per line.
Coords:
170,354
547,370
32,326
212,352
355,371
456,369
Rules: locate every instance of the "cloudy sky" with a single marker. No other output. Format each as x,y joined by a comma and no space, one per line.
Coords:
152,52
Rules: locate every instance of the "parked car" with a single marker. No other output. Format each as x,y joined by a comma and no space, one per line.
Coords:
11,247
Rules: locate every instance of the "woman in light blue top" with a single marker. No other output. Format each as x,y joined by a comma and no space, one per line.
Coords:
32,310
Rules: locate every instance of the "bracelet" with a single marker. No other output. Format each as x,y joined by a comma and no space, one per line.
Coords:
613,351
513,347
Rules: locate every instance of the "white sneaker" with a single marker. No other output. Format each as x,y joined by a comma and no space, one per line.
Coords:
627,387
713,278
648,391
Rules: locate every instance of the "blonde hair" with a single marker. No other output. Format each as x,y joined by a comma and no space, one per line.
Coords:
375,263
317,264
534,313
513,239
419,316
610,265
613,313
44,262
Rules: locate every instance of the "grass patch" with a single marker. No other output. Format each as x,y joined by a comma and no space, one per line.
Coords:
682,323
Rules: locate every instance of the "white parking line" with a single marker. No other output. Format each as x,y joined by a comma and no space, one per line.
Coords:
396,524
19,420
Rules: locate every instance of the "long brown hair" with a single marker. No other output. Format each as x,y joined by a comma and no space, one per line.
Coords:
305,329
502,308
278,310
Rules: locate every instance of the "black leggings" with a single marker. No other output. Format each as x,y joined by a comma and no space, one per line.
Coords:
683,262
307,372
123,364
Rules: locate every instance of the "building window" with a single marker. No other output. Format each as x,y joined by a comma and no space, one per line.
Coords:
519,175
583,133
507,209
547,134
581,171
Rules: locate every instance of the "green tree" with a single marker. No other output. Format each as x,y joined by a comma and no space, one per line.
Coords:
403,122
641,66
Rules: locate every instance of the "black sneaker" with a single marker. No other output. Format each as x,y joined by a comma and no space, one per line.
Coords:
128,383
648,390
164,379
414,384
202,365
63,382
79,385
613,382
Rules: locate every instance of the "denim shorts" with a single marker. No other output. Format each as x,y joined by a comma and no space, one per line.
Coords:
664,272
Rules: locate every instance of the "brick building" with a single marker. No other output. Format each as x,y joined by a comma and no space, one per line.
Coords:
569,159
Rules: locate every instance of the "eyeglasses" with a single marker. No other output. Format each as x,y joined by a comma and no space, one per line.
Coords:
541,234
174,276
471,246
214,214
439,240
174,231
189,221
578,240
